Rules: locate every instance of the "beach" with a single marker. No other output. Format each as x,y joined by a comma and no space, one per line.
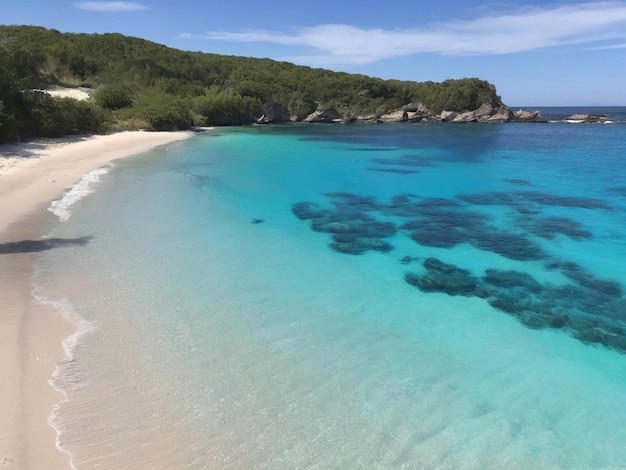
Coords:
31,333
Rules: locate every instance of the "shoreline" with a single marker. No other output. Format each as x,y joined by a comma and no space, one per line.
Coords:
32,175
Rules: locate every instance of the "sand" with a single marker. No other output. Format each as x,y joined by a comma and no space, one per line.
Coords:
31,333
79,93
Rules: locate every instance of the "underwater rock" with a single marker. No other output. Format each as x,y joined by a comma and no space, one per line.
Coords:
587,307
487,199
511,279
398,171
333,227
307,210
588,280
443,277
360,245
364,203
549,227
517,181
448,238
510,245
406,160
546,199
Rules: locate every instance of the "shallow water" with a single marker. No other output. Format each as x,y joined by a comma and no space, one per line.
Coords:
246,302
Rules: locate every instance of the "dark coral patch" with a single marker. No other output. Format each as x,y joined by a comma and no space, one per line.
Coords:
355,201
443,277
589,308
508,244
307,210
589,281
353,229
406,160
546,199
397,171
517,181
549,227
512,279
488,199
586,314
360,245
620,190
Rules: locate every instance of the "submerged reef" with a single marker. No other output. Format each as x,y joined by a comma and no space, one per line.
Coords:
588,308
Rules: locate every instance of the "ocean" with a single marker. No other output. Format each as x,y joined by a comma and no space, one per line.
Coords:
366,296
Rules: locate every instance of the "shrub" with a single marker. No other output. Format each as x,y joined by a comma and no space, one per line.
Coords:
114,96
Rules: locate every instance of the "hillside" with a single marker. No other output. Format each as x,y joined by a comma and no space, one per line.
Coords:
139,83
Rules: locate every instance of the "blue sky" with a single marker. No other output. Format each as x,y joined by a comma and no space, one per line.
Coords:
536,52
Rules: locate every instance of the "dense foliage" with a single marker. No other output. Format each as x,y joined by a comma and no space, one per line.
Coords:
158,87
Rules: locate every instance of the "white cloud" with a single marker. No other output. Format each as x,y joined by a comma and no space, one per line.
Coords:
603,48
523,30
110,6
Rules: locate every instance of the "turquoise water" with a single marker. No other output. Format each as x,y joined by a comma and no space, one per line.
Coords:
367,296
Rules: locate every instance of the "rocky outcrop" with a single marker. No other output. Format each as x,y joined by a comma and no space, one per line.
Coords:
486,113
447,116
274,113
587,118
412,112
395,116
417,112
528,116
324,116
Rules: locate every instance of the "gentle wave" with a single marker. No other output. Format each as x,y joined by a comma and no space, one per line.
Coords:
64,378
61,207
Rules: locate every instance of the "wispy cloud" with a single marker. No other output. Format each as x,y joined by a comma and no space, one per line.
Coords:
610,46
505,33
110,6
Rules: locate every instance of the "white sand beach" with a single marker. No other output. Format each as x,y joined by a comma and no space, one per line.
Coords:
31,175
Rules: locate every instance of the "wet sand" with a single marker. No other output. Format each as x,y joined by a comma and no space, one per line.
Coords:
31,333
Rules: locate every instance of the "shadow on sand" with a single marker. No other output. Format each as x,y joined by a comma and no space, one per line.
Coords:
33,246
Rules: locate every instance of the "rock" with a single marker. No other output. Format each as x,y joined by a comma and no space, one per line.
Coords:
324,116
512,279
414,107
483,113
360,245
395,116
447,116
307,210
587,117
502,114
439,282
443,277
528,116
273,113
468,116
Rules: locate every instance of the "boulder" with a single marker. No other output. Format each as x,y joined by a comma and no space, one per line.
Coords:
447,116
417,112
502,114
528,116
483,113
274,112
395,116
324,116
587,117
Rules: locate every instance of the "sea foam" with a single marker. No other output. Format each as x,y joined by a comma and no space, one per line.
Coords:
65,378
62,207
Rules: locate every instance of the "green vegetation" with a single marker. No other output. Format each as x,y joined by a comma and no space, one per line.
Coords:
140,84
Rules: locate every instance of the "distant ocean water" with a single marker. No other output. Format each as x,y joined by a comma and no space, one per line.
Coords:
361,296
